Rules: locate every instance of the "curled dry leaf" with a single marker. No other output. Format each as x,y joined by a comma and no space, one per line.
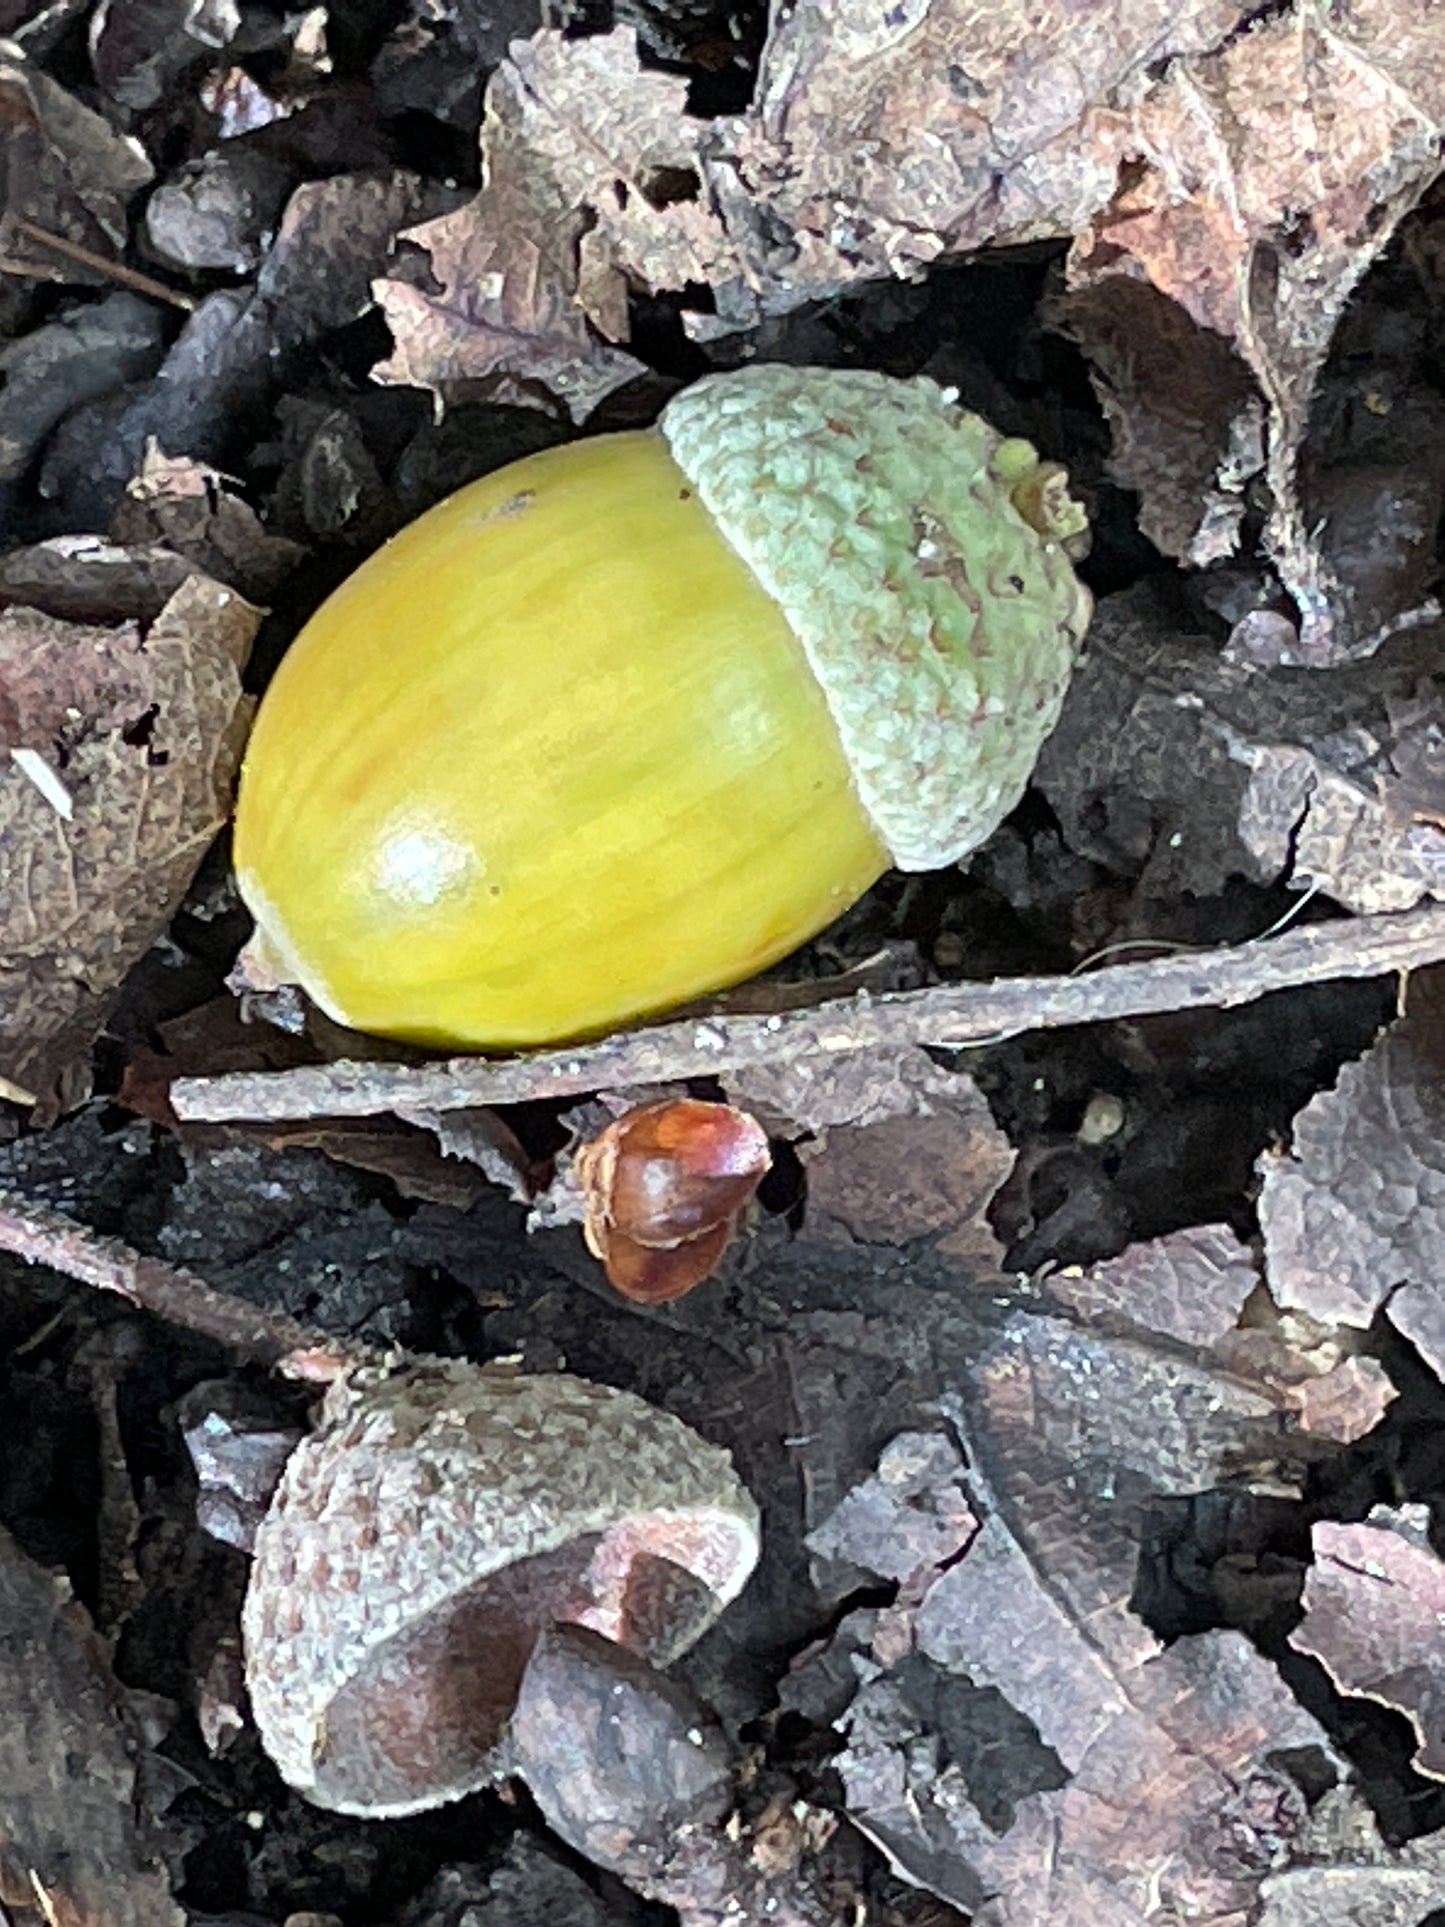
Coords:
435,1524
665,1185
120,744
515,291
1271,170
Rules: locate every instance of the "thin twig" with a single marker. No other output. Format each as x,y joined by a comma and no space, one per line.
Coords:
100,264
46,1237
950,1014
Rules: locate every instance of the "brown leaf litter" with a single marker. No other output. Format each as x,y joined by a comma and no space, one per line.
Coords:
1374,1599
71,1850
1181,768
122,743
1351,1211
1269,173
1226,182
1028,1750
523,284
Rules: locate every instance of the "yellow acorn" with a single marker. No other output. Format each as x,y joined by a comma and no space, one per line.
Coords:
628,720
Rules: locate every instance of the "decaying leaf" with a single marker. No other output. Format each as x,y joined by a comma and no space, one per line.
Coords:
1190,1285
513,294
185,506
1006,1743
71,1852
1374,1600
120,746
882,139
904,1149
1346,1874
1352,1211
66,171
1183,769
1267,174
1202,1287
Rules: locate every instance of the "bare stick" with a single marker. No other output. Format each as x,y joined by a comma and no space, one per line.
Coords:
954,1014
46,1237
100,264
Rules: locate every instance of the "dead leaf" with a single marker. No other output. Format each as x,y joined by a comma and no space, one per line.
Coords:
1374,1603
1182,768
614,140
514,294
122,744
184,507
70,1845
1190,1285
1002,1743
1352,1212
883,139
1202,1287
333,233
1267,174
65,170
906,1150
1400,1887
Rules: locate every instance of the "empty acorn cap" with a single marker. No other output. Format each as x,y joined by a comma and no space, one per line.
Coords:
435,1523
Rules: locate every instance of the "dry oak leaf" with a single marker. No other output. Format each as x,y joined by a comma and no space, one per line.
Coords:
884,137
186,507
120,746
527,276
1368,1884
1192,1286
1353,1213
1267,175
1189,1285
70,1848
1183,768
1374,1603
1006,1757
904,1149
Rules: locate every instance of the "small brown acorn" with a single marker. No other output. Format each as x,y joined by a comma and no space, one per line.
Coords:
665,1186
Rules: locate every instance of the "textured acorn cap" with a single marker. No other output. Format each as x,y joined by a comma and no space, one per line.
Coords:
890,526
420,1539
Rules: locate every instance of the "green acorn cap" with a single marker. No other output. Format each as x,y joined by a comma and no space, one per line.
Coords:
921,560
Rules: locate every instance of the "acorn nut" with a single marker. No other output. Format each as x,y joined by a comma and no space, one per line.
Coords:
438,1520
630,719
